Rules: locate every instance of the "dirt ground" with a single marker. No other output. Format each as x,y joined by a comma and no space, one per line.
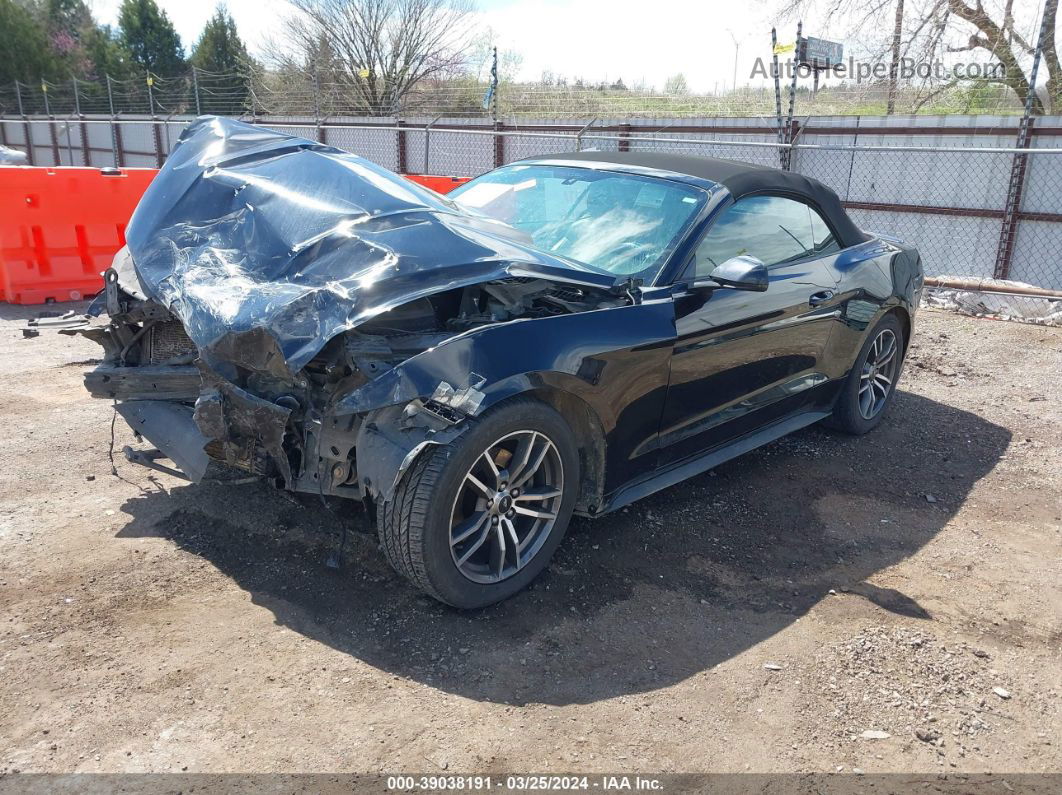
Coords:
889,603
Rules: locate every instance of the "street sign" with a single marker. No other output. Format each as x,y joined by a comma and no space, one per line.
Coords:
819,53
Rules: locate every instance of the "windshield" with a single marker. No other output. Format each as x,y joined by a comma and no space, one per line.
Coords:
619,223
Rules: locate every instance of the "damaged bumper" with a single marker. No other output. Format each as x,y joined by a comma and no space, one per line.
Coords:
275,295
172,429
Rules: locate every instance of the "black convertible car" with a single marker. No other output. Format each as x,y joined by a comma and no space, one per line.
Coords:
563,334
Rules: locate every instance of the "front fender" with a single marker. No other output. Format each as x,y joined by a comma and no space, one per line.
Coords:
616,360
571,352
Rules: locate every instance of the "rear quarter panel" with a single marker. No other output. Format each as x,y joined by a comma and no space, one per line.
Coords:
874,278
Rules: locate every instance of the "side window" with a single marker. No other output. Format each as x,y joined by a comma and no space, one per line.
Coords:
771,228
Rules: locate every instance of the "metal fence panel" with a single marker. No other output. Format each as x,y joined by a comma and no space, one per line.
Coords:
938,182
1038,253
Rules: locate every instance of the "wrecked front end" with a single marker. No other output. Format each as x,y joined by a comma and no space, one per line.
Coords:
271,294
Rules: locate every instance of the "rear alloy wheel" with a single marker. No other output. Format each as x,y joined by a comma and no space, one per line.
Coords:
475,521
871,383
878,374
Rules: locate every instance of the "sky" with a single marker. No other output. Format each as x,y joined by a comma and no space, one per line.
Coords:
593,39
636,40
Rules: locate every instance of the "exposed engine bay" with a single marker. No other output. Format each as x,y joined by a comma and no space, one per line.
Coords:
283,308
262,424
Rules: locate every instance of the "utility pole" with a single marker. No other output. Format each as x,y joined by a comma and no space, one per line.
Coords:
494,88
776,73
737,48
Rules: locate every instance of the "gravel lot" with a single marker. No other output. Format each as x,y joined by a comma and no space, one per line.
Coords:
890,603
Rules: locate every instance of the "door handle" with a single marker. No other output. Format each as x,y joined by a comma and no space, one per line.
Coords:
820,297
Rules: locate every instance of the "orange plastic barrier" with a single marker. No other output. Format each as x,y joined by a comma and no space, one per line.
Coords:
437,184
60,228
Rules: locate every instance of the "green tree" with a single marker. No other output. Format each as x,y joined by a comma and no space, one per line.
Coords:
67,16
106,54
222,57
150,38
68,23
25,52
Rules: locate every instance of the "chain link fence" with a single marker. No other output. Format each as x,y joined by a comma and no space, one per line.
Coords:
977,206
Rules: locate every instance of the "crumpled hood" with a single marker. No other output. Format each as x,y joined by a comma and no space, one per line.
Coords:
266,246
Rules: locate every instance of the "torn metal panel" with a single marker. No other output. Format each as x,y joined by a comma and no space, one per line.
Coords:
241,418
386,449
170,427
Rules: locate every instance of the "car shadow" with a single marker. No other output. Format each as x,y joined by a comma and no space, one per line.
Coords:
633,601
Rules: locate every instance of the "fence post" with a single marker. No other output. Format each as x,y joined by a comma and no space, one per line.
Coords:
26,124
254,97
156,136
115,139
499,145
624,144
29,143
1008,230
195,89
792,131
69,143
86,155
86,151
579,135
787,154
56,157
401,142
119,146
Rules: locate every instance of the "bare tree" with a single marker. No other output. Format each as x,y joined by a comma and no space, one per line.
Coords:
379,50
894,64
929,29
1009,47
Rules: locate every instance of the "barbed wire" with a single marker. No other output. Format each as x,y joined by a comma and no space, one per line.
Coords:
302,93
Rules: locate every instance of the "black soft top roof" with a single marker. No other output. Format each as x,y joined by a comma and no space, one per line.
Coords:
741,179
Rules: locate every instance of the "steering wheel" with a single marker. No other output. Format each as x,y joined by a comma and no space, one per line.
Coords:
628,250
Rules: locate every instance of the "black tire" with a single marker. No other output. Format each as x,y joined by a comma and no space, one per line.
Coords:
415,524
847,416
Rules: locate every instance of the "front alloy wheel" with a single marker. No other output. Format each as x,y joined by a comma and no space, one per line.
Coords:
506,506
474,521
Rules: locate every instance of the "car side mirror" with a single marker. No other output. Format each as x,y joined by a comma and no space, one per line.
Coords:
743,272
